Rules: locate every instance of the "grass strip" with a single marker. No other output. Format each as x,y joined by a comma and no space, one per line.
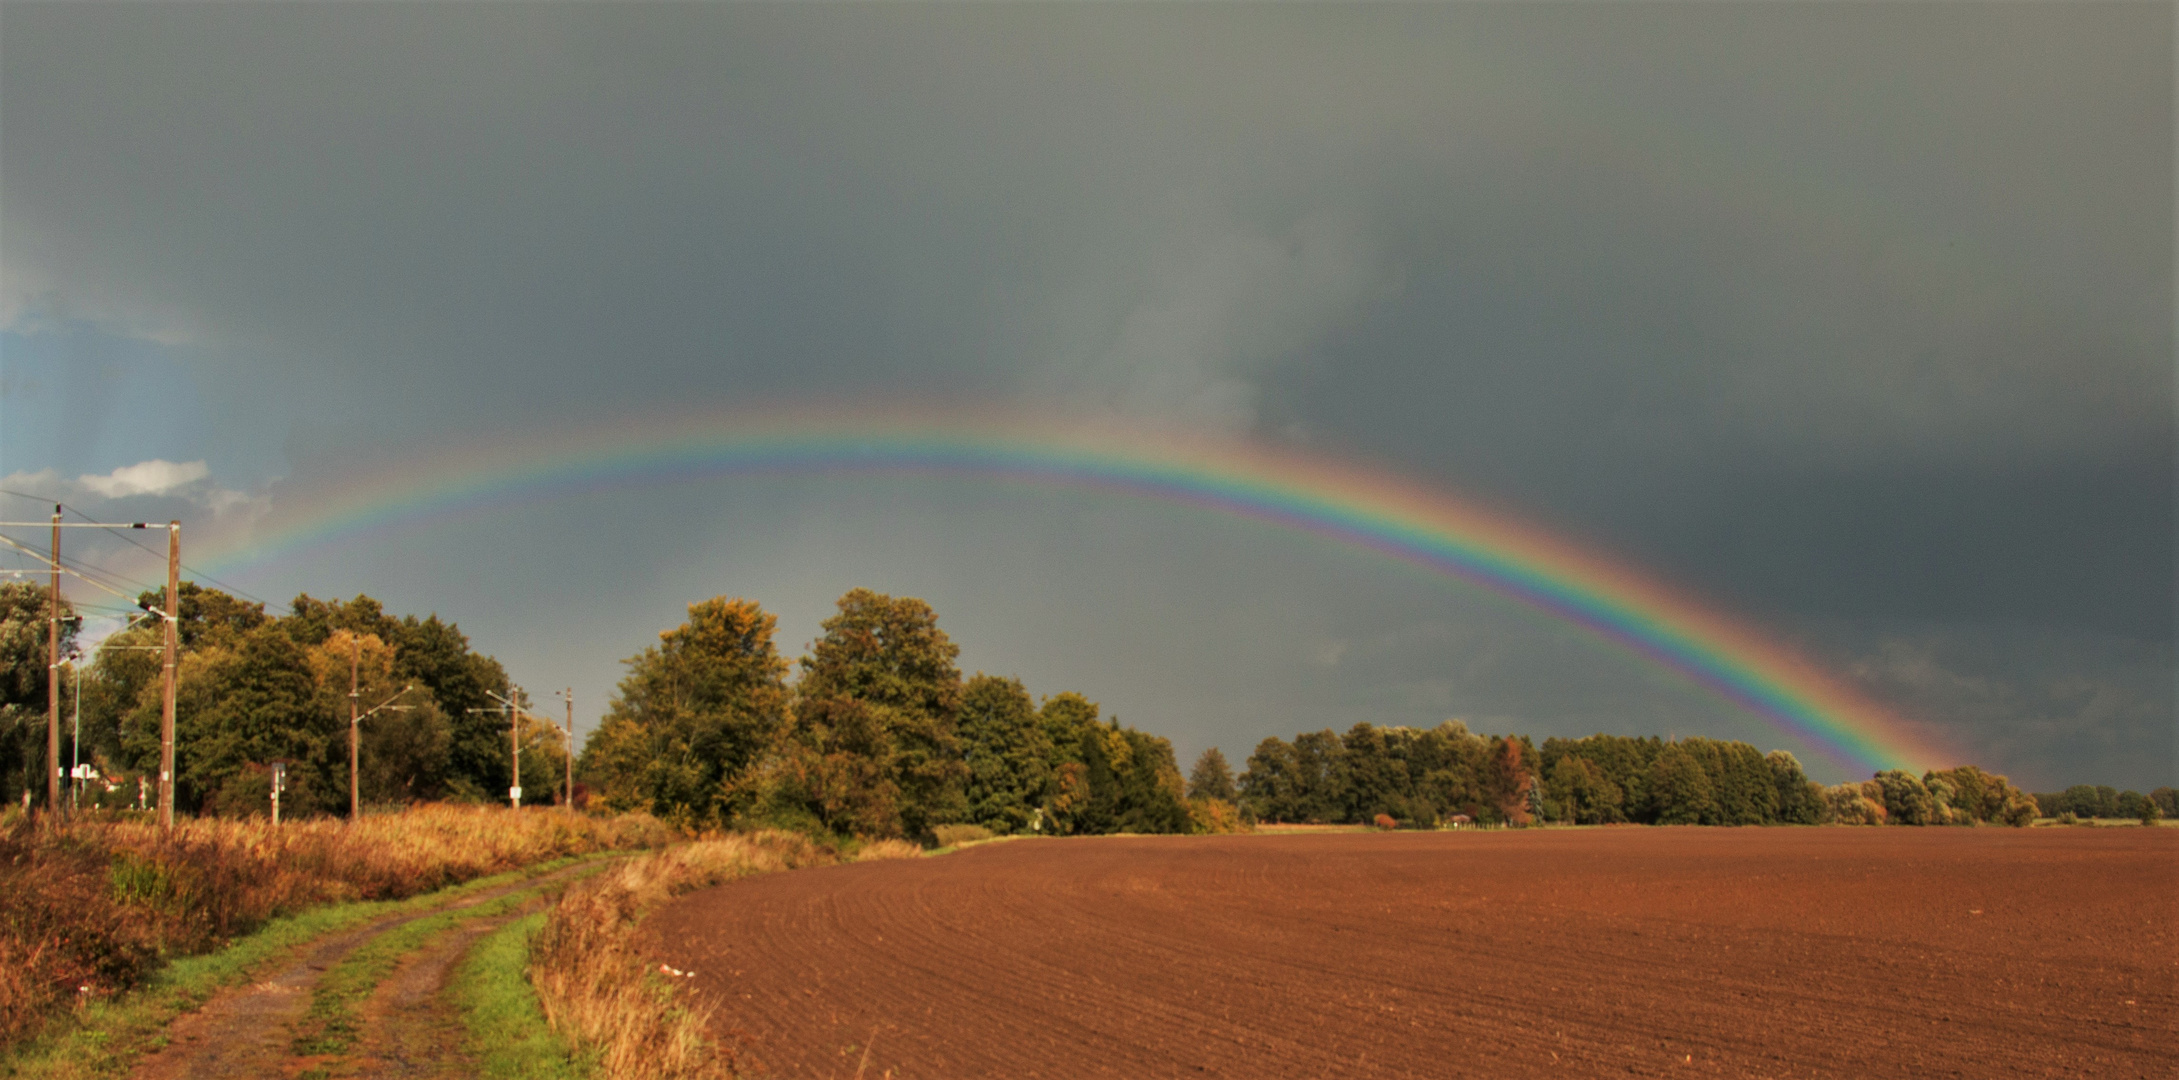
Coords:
333,1022
107,1037
507,1028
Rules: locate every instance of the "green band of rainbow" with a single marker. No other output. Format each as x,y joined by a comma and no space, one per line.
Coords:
1361,507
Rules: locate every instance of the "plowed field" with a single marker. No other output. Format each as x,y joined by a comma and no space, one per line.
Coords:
1737,952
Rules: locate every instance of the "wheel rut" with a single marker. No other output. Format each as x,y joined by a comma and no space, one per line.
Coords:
408,1031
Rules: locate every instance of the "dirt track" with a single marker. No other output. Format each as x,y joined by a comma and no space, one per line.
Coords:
1738,952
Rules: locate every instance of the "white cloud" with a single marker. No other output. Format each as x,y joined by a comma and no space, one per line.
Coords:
154,477
42,483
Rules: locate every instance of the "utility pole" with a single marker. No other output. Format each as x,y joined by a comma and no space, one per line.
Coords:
166,689
52,681
355,720
514,739
75,740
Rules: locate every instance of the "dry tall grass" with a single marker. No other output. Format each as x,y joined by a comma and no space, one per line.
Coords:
597,990
90,907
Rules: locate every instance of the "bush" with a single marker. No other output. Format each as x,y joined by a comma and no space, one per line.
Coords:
1385,822
1215,816
956,835
1849,804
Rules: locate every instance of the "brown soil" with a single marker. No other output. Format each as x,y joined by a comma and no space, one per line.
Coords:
410,1032
1738,952
248,1031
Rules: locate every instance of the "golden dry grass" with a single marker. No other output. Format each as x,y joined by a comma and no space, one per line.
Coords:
94,905
887,849
598,991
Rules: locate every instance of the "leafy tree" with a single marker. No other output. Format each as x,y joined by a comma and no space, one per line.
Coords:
693,716
403,752
436,656
883,665
1320,768
1008,754
1849,804
2129,803
2166,800
1509,780
1583,793
1679,789
1373,776
206,617
1068,720
239,707
1905,800
1799,799
1270,784
1211,778
1151,795
26,611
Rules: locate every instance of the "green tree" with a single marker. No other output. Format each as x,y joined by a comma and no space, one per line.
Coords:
1799,799
693,716
884,668
239,706
1270,782
1007,752
1150,794
25,621
436,656
1068,719
1679,789
1906,800
1211,778
1583,792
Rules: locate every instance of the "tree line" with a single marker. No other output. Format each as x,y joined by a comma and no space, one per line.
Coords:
254,688
1425,778
879,735
2105,801
874,732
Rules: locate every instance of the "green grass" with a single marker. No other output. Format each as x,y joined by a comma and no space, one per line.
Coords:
106,1038
332,1023
507,1029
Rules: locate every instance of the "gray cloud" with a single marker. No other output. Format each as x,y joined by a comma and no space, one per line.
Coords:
1859,316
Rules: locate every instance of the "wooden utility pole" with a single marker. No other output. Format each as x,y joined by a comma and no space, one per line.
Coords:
355,720
53,681
514,739
166,688
568,792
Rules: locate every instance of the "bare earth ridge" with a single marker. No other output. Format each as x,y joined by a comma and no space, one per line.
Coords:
1742,952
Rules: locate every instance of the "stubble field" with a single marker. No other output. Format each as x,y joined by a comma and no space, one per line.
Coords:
1739,952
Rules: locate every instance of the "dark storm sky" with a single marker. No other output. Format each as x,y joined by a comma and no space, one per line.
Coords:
1856,320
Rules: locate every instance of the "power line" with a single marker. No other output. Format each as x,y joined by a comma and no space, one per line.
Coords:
72,571
198,574
86,569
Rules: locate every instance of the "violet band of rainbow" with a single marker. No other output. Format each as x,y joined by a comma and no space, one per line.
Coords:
1351,505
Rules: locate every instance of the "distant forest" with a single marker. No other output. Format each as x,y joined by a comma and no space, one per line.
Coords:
875,732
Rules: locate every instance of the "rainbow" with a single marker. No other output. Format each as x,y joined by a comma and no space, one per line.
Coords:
1346,503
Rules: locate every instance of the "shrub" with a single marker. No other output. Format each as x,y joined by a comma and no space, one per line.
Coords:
956,835
1386,822
1849,804
1215,816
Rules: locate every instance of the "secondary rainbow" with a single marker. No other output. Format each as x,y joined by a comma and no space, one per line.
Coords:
1350,504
